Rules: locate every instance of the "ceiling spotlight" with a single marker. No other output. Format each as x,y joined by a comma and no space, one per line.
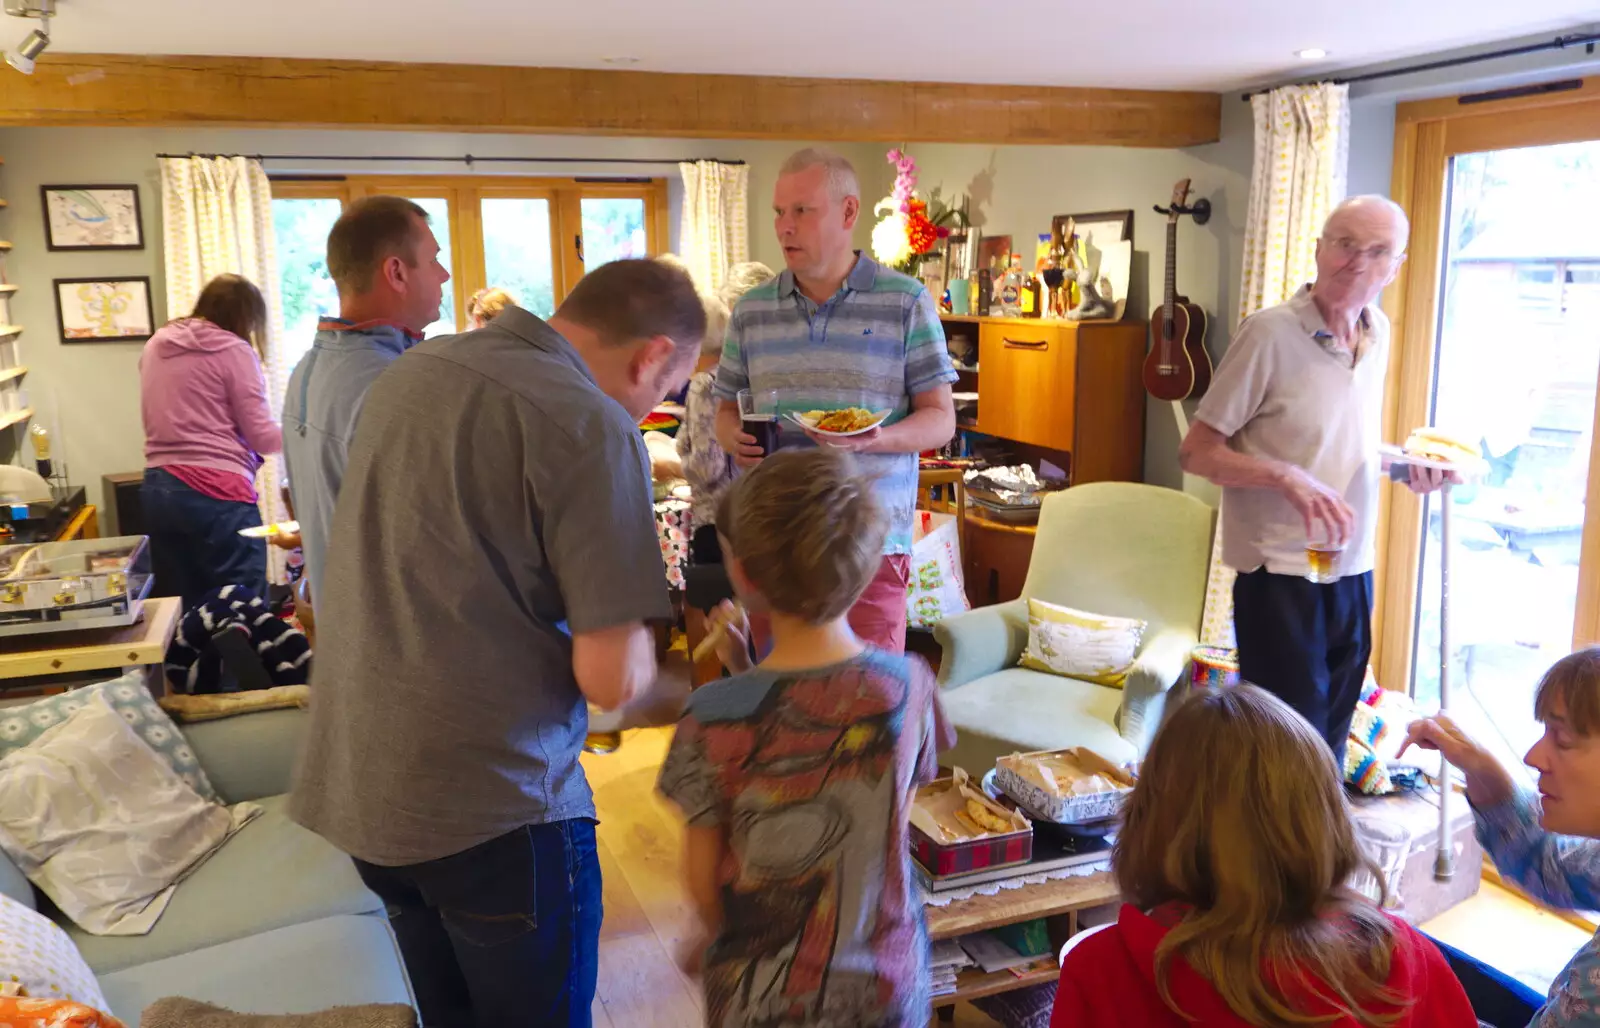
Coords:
35,42
1311,53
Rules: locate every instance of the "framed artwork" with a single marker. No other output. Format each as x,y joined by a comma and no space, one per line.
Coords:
104,310
994,251
1095,229
92,218
1105,248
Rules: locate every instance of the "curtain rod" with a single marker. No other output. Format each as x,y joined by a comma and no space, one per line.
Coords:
1587,41
468,159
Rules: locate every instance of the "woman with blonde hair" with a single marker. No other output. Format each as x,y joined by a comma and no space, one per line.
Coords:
486,304
1234,860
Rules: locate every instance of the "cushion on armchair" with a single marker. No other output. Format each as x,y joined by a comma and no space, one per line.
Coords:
1076,644
1018,711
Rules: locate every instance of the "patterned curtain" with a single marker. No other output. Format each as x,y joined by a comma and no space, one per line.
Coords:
1302,153
716,225
217,214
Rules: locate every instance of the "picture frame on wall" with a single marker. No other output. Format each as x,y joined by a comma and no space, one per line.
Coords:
92,218
104,310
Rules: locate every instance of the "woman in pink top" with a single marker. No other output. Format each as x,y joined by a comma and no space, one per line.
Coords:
206,424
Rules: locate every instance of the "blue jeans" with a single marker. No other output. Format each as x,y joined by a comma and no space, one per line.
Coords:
1496,997
195,545
505,933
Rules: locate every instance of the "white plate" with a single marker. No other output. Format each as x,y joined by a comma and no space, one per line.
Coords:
267,531
808,426
1398,455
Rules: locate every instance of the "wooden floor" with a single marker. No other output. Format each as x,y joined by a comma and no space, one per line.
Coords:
647,913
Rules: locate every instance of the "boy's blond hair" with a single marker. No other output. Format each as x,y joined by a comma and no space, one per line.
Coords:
808,531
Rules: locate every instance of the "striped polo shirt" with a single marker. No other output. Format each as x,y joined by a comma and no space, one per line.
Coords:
875,344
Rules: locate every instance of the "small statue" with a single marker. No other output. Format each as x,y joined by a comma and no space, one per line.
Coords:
1093,306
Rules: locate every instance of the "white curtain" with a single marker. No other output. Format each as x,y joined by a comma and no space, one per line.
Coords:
217,215
1302,153
716,220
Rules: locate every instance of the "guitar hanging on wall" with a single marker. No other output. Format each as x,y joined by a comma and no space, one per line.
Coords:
1177,366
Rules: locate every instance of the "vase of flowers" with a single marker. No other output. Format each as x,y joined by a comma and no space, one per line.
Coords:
908,229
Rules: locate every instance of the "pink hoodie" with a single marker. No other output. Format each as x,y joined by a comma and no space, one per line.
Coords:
204,400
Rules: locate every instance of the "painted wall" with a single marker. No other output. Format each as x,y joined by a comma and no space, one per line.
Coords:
1017,189
88,394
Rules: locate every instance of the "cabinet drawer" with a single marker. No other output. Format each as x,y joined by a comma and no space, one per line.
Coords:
1026,387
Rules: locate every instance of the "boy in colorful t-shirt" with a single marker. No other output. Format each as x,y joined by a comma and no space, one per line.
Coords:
796,775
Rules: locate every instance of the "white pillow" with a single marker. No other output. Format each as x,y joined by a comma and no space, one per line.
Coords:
104,826
1078,644
37,955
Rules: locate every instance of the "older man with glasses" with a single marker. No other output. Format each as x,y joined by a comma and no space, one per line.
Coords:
1290,430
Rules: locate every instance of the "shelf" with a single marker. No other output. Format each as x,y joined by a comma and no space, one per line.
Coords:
10,331
5,247
974,983
976,319
7,290
10,373
15,417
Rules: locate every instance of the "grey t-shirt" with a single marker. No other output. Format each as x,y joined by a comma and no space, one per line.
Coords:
493,492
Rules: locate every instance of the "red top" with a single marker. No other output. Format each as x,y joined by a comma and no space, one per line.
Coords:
1109,979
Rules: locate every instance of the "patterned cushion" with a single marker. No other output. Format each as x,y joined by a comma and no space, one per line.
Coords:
128,696
37,955
98,821
1095,648
52,1013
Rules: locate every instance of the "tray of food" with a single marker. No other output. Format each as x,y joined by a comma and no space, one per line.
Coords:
846,421
1068,786
1437,449
956,829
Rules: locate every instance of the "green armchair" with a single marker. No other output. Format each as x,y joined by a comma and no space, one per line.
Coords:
1115,548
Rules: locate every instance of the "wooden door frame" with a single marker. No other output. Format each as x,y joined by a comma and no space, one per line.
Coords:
1428,134
464,195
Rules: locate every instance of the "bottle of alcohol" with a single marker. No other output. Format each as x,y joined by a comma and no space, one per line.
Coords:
1011,289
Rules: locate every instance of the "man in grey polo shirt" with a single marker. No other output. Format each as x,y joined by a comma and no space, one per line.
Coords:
1290,429
498,489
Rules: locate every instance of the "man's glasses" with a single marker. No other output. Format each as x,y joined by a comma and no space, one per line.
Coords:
1349,249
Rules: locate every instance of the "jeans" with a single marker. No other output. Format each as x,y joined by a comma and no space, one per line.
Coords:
195,545
505,933
1497,998
1308,644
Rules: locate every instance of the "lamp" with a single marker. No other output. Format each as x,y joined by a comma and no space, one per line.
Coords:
36,41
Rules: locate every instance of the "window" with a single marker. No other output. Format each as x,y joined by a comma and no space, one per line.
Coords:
533,237
301,225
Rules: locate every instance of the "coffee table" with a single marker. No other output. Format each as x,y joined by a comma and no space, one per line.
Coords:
1058,898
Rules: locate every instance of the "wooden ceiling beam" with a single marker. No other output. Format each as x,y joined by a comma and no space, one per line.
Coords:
115,89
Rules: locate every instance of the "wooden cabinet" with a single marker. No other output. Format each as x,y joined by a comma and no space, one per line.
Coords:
1064,385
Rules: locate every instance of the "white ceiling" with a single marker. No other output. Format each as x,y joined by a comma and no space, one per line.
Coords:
1161,44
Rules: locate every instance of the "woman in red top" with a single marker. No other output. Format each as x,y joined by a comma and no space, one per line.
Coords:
1234,857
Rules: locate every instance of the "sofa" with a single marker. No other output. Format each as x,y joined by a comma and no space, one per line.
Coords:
1111,548
276,921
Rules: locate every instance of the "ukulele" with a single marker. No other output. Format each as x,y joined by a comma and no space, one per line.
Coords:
1177,367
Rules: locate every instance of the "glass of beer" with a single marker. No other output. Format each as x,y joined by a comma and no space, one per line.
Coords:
758,411
605,731
1322,559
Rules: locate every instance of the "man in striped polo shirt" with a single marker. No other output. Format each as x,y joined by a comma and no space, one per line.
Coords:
837,329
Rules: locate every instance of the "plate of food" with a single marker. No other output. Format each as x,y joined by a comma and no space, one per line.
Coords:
845,421
1438,449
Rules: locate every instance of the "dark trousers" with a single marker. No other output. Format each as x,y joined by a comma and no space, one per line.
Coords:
1497,998
505,933
195,545
1308,644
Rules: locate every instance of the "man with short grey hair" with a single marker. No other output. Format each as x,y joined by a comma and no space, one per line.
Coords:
494,568
1290,429
837,329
